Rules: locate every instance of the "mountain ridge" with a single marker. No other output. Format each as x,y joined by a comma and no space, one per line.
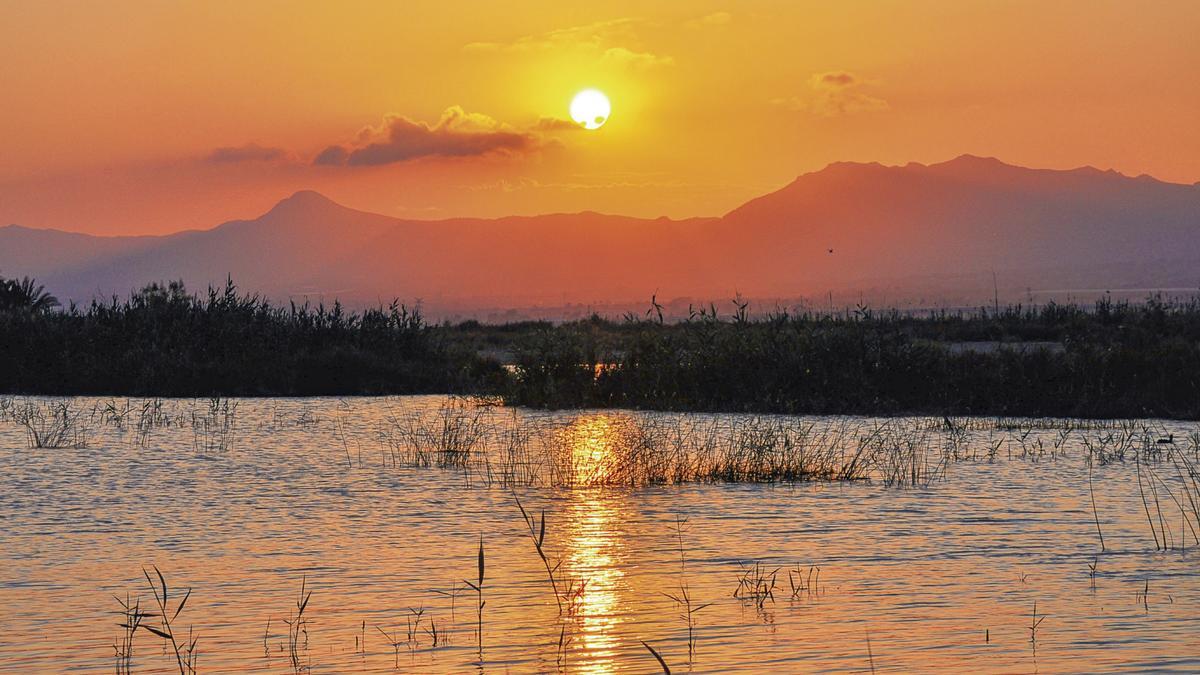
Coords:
850,225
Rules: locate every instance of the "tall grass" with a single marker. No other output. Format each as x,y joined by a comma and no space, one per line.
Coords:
52,424
496,447
1105,360
1110,360
164,341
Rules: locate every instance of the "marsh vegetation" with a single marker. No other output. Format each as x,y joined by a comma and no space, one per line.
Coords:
1109,359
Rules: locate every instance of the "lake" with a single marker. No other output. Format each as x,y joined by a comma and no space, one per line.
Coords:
803,544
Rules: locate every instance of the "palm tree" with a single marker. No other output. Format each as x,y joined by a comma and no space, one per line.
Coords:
25,295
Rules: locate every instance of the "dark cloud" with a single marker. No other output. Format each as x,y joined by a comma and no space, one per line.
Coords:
838,79
557,124
456,134
334,155
834,94
247,153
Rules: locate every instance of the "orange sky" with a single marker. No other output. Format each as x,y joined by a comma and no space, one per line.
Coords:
114,113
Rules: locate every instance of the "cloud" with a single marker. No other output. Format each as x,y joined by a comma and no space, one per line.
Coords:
835,80
456,134
334,155
250,152
636,60
606,41
834,94
592,34
714,19
557,124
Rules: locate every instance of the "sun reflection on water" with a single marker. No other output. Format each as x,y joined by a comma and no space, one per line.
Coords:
595,548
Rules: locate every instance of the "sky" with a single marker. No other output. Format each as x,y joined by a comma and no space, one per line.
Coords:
131,117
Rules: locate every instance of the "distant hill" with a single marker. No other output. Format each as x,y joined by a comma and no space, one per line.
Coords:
965,218
931,233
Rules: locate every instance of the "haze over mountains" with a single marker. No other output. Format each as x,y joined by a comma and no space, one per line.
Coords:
904,235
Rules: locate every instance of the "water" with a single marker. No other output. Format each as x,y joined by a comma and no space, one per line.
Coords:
940,578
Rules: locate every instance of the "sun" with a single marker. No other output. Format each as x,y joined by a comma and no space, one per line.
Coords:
590,108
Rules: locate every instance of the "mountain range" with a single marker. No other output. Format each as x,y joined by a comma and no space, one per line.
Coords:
957,231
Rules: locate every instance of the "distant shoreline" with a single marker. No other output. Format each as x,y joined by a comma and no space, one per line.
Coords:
1108,360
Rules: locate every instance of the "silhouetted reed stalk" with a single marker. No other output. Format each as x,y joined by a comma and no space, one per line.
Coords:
1142,596
870,652
1035,622
184,650
537,534
657,657
455,589
1146,504
213,430
52,425
339,430
756,585
412,627
1186,503
298,626
392,640
683,598
1187,477
446,439
1095,512
480,602
804,582
131,620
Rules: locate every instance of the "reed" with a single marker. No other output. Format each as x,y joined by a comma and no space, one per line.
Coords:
804,582
1035,622
1095,512
53,425
756,584
1108,360
392,640
477,586
537,534
131,620
213,429
184,649
1105,360
165,341
446,439
683,597
657,657
455,589
297,625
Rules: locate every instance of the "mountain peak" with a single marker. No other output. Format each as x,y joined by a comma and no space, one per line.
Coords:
969,162
304,202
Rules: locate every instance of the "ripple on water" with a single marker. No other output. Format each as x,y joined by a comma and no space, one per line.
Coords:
942,578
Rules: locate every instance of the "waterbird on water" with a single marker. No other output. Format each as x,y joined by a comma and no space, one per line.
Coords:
1168,440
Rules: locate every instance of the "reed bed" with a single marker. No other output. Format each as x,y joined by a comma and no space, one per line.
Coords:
52,424
499,447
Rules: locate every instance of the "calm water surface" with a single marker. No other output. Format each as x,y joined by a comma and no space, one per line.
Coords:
936,578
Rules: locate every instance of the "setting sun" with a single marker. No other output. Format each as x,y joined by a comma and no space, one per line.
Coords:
590,108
